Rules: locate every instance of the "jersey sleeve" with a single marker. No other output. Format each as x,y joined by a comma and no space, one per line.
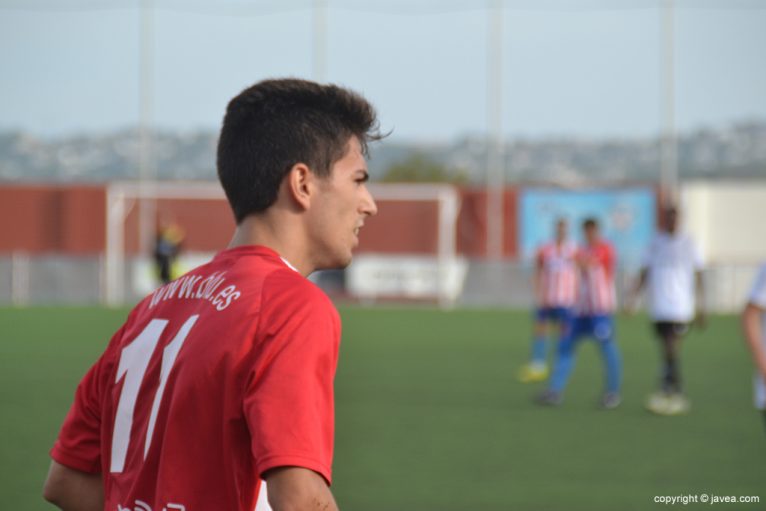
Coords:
758,292
78,445
289,404
606,258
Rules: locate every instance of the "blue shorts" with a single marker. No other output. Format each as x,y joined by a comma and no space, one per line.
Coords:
599,327
554,314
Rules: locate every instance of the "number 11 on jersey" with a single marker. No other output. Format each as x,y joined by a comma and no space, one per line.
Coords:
134,360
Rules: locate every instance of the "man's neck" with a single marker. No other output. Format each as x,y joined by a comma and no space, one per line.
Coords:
282,235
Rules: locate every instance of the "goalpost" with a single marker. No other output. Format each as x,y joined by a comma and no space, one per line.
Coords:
121,198
408,251
409,254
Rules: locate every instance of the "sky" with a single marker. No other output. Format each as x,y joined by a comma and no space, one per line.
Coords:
575,68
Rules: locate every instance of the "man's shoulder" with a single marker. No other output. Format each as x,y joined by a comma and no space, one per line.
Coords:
288,298
605,247
286,283
657,245
544,248
760,277
233,278
685,245
568,249
689,241
679,238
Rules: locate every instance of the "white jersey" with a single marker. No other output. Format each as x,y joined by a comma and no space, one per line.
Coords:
758,297
672,261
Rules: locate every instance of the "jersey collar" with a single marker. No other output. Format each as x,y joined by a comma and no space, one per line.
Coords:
260,250
289,265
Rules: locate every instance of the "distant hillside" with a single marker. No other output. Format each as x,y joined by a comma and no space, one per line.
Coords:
738,151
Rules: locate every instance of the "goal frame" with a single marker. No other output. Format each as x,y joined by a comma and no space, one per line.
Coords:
448,202
122,197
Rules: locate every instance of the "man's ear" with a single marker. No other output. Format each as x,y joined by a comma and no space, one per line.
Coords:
300,184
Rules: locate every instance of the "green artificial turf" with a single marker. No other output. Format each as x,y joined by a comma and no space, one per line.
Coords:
430,416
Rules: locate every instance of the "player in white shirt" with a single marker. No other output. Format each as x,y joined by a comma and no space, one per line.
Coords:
754,328
672,272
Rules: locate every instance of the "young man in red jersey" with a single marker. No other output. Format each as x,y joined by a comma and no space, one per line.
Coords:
223,379
595,307
555,287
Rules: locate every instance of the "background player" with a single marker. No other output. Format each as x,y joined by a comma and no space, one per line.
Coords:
754,327
672,271
167,247
555,285
225,376
593,317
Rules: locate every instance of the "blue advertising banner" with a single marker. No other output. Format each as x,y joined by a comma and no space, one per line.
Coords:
627,217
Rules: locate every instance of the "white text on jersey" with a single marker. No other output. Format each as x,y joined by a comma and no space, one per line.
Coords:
195,287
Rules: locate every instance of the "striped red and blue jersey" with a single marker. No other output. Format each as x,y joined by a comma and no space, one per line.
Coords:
596,290
557,274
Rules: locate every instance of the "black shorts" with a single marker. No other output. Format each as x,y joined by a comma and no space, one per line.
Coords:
670,328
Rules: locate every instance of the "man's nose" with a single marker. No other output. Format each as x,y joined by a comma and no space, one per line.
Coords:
368,204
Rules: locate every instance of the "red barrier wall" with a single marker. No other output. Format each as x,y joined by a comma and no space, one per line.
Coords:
208,224
72,219
42,218
402,226
472,223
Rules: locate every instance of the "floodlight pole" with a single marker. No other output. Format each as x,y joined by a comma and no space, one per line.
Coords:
669,156
319,61
146,166
495,178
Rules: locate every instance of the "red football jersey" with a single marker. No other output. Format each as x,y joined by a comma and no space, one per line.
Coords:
213,379
597,294
558,274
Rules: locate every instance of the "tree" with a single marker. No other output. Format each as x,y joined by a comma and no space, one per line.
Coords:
419,168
